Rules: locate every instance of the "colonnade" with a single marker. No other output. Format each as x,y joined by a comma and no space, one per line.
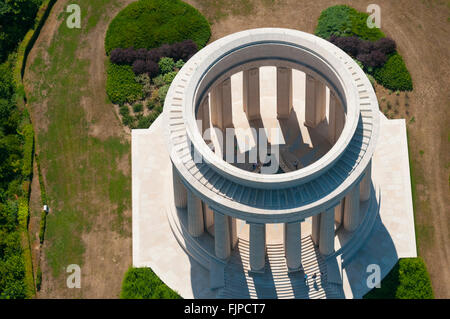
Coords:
201,218
216,107
216,110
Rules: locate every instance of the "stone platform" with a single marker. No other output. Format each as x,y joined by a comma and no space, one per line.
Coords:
155,246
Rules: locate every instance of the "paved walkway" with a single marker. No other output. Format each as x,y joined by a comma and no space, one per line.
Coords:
393,235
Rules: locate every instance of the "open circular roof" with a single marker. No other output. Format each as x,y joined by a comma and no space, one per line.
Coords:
225,186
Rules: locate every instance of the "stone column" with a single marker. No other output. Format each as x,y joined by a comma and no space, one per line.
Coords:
216,106
221,111
179,190
208,216
326,242
250,92
293,245
351,209
315,101
233,232
199,119
205,114
366,183
227,113
332,138
284,92
257,247
339,116
315,234
195,215
221,236
339,212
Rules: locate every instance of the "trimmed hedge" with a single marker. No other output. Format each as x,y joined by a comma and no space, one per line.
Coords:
409,279
121,86
27,167
143,283
152,23
177,51
347,28
29,40
394,75
343,20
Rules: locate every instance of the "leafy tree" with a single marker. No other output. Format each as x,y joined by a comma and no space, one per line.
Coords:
166,65
151,23
16,17
394,75
179,64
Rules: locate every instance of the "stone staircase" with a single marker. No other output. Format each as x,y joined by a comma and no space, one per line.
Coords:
276,281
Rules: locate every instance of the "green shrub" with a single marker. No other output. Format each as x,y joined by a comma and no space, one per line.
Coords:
30,38
121,86
394,75
168,77
27,167
22,214
128,120
159,80
138,107
334,20
162,92
145,121
158,109
179,64
124,110
150,105
142,283
144,80
360,28
342,20
166,65
151,23
408,279
371,79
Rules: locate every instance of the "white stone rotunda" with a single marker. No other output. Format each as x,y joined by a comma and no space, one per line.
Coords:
258,234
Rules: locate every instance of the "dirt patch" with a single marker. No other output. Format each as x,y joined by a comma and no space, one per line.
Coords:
35,219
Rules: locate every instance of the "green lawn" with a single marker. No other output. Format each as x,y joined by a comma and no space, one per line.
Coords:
81,171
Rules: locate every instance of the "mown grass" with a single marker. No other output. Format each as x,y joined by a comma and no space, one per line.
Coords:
82,174
216,10
423,231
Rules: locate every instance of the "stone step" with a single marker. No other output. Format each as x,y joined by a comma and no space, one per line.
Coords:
276,281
